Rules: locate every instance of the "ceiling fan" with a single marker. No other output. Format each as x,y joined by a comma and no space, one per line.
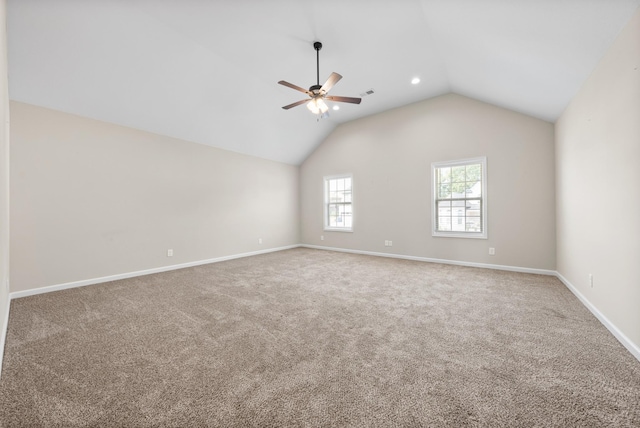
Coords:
317,92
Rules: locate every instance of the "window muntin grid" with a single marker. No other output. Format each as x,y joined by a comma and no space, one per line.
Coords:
339,203
459,196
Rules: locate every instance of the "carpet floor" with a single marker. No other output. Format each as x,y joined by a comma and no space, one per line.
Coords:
315,338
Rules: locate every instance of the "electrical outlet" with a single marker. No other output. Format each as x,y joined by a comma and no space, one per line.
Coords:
492,251
259,240
169,253
391,243
322,237
591,280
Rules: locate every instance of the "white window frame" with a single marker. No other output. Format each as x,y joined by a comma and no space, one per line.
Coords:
325,205
434,213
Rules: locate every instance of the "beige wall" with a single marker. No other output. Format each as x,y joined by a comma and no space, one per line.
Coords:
390,156
4,179
92,199
598,178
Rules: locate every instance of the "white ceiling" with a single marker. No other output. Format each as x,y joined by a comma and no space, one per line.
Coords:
207,71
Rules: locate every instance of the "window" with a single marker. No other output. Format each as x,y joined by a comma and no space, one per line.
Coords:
338,196
459,206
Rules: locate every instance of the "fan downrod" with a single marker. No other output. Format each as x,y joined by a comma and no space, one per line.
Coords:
317,46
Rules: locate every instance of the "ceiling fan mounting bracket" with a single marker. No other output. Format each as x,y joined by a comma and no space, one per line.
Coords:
317,45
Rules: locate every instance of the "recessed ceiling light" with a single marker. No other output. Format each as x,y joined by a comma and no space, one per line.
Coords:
336,107
415,80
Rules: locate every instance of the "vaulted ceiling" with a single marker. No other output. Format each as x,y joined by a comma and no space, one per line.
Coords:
207,71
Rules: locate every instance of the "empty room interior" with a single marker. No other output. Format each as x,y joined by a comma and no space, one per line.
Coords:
320,213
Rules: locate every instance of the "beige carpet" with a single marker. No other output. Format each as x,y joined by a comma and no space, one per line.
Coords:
316,338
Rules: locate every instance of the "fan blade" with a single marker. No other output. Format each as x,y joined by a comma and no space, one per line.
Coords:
332,80
292,86
295,104
343,99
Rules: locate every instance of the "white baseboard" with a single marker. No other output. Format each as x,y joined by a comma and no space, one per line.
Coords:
92,281
622,338
5,328
443,261
626,342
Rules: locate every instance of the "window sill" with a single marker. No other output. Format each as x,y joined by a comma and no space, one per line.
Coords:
335,229
459,235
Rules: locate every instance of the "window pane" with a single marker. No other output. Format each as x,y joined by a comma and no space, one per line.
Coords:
444,191
457,190
458,174
473,204
474,224
347,196
444,175
347,183
458,224
444,224
444,208
474,189
474,172
333,186
473,209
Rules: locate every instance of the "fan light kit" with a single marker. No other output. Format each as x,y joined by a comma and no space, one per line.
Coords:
317,92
